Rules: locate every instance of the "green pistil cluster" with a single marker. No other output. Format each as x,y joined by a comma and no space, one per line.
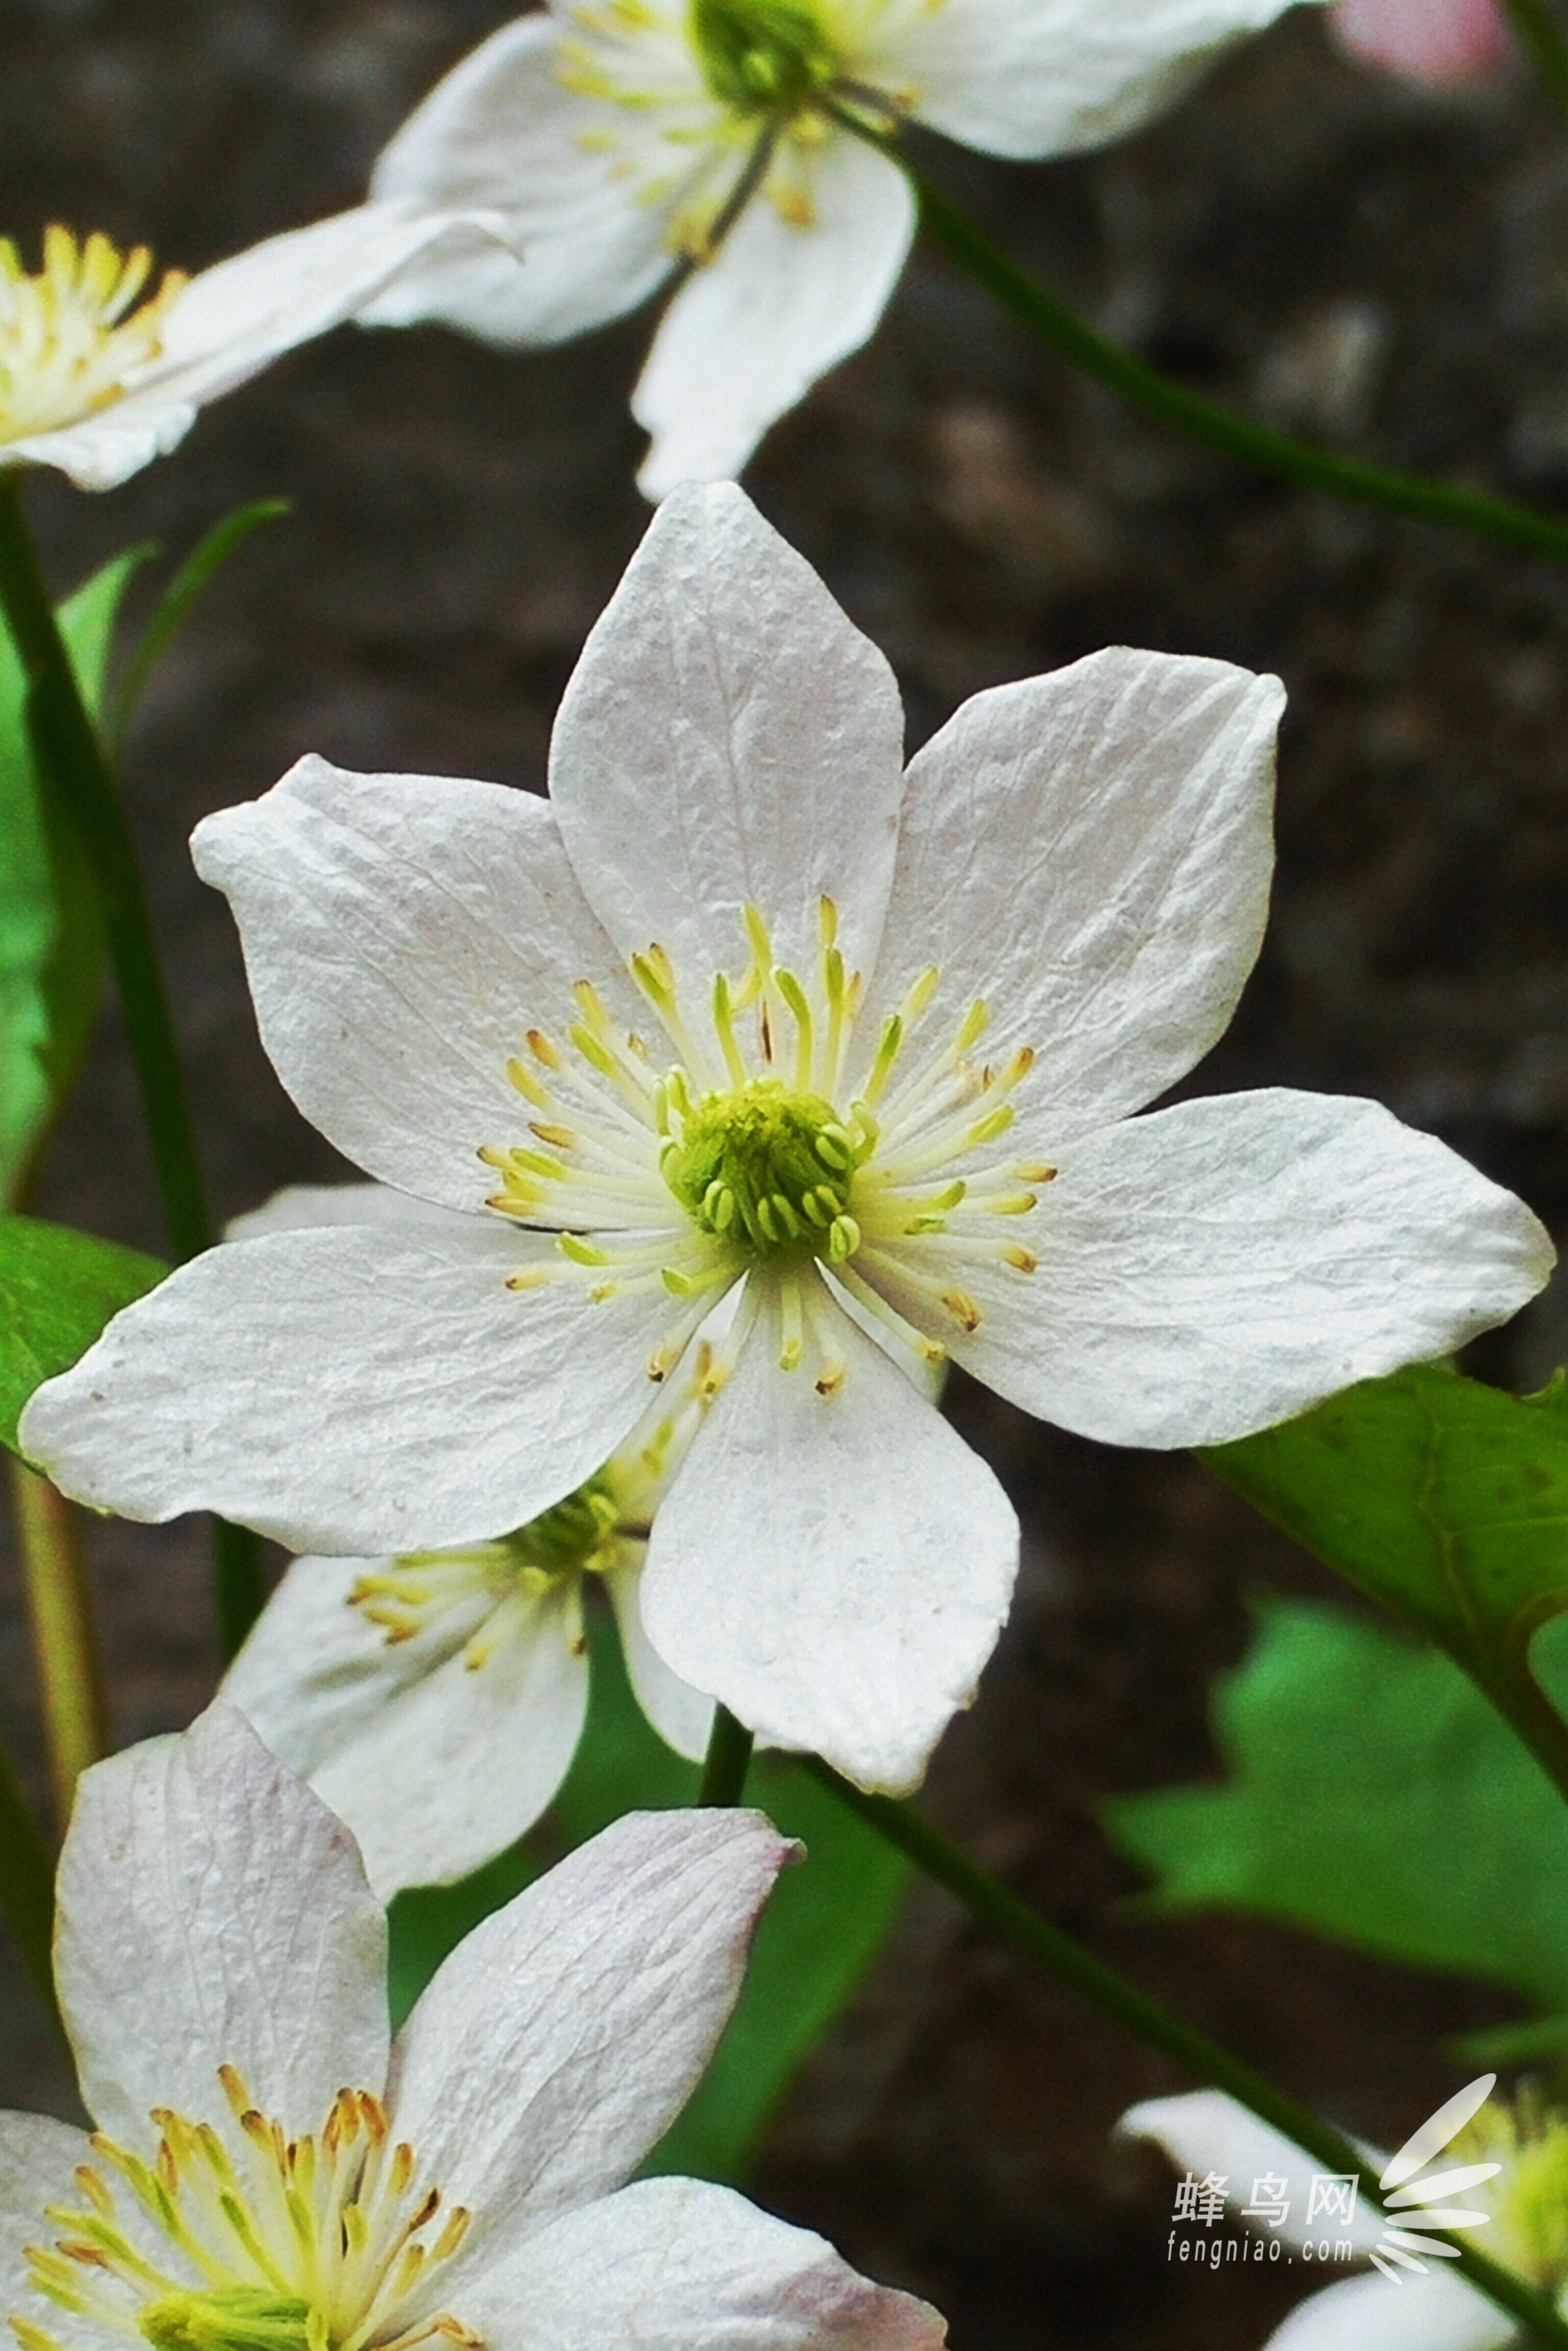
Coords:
762,57
768,1169
1529,2200
563,1540
232,2318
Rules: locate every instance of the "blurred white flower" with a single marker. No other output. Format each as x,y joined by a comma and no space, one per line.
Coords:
267,2174
1507,2165
746,1004
632,143
101,370
1447,43
435,1701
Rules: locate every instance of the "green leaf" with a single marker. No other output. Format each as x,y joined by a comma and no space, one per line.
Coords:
1375,1797
51,951
174,608
824,1924
1445,1502
57,1289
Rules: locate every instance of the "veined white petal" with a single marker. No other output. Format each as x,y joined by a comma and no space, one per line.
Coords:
360,1390
585,2012
684,2265
682,1716
568,172
402,935
315,1670
1205,2132
835,1568
749,334
233,320
454,1767
727,739
212,1912
300,1208
1212,1269
1088,854
1435,2313
37,2156
1052,77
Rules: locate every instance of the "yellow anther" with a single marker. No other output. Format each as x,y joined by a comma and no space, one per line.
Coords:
1011,1203
539,1046
843,1238
886,1054
527,1084
1023,1260
581,1251
761,945
529,1277
1038,1171
827,922
962,1308
972,1025
562,1137
986,1129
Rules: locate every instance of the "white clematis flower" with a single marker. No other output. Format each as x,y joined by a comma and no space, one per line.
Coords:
100,375
1506,2172
435,1701
746,1004
635,143
267,2174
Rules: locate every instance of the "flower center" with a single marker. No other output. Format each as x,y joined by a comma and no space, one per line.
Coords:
476,1590
1529,2200
306,2244
762,56
765,1166
71,336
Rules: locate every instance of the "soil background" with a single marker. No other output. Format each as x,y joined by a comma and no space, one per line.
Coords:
1383,270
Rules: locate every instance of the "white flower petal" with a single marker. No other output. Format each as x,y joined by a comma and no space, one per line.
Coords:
1205,2131
1213,1268
1435,2313
211,1911
1052,77
303,1208
584,2012
37,2156
401,934
1090,853
683,2265
315,1670
682,1716
361,1390
454,1768
748,335
835,1569
502,131
727,739
233,320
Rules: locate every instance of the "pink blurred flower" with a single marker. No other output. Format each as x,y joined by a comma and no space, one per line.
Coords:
1445,42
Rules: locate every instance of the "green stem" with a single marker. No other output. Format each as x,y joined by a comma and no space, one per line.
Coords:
65,1641
727,1761
1541,36
1094,354
72,759
73,766
1152,2022
27,1886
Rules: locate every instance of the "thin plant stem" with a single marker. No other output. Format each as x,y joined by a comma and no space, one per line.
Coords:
1541,37
73,766
1142,387
65,1643
27,1887
727,1761
998,1908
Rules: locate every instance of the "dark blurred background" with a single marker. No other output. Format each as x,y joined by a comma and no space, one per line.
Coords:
1376,268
